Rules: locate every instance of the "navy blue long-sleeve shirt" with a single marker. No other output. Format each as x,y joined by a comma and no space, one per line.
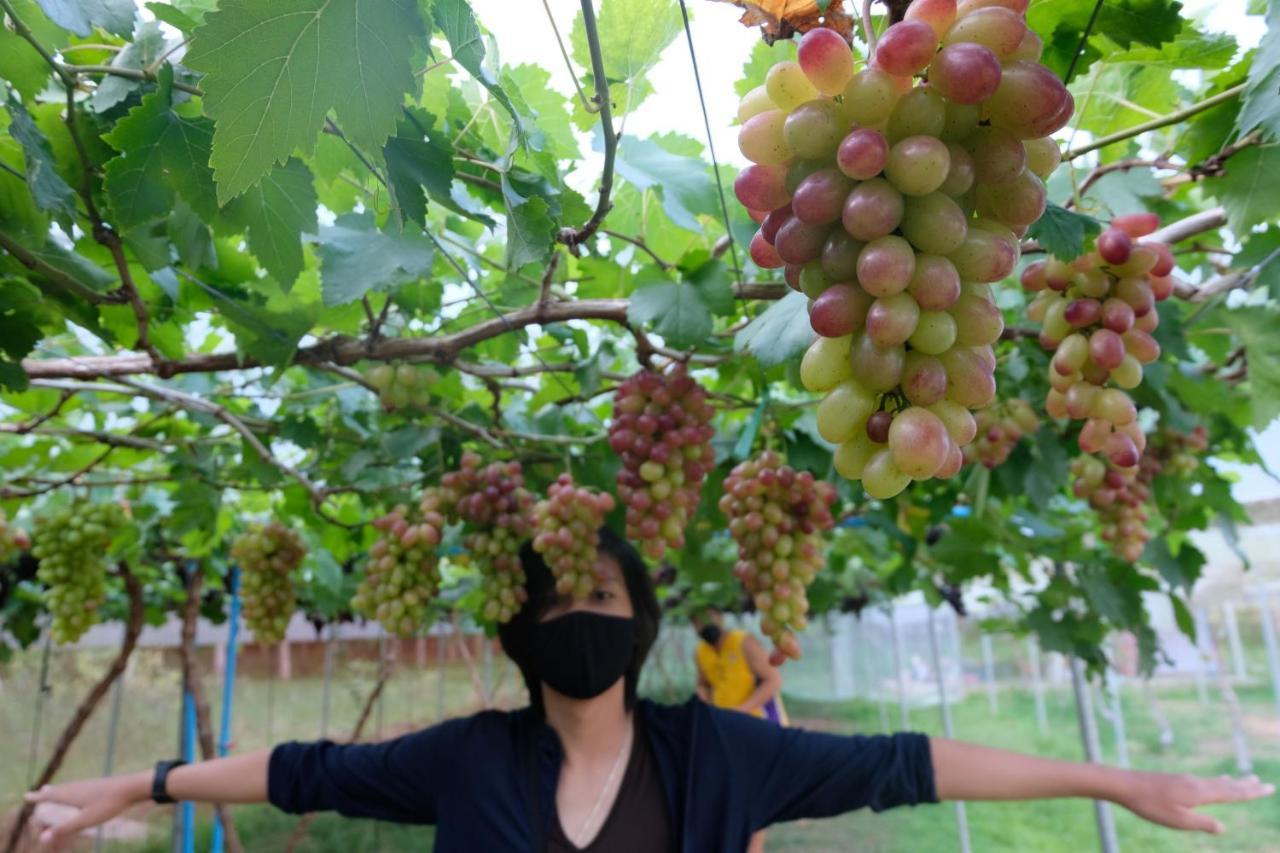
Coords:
725,775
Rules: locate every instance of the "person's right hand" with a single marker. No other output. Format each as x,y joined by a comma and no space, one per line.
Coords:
96,801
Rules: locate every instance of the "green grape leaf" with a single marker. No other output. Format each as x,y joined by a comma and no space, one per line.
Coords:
1181,569
1255,328
1124,192
633,34
21,65
677,312
779,334
173,16
713,280
1260,106
682,182
274,70
1250,189
161,151
48,188
1063,232
531,85
530,228
81,16
275,213
418,157
1061,23
148,45
355,257
19,331
455,19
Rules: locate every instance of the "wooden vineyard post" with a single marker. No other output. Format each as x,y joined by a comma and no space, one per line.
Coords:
1107,841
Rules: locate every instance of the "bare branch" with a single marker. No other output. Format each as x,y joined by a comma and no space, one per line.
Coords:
1157,123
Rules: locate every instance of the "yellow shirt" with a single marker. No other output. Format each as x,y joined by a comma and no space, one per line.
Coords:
727,671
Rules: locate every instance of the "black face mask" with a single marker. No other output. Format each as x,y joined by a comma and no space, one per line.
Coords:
710,634
582,654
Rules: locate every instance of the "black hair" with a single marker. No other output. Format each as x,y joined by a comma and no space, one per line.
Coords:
517,635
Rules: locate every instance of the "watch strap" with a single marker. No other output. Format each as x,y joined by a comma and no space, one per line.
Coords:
159,781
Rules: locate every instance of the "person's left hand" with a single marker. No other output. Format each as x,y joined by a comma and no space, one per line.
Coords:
1171,799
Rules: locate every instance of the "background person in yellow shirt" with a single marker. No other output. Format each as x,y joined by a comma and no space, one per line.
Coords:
734,672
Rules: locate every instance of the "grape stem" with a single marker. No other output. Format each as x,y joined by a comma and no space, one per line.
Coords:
868,29
1157,123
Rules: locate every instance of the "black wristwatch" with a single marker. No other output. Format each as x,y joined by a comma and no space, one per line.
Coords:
158,782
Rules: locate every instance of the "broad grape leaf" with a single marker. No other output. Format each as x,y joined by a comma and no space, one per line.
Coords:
19,331
81,16
173,16
275,213
274,70
161,151
1208,132
21,65
418,157
1062,232
1261,103
1254,326
455,19
1125,192
781,19
1061,23
779,334
633,34
48,188
20,217
677,312
684,183
530,228
148,45
1250,187
355,257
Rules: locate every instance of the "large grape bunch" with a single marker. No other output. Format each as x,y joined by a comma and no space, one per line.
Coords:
893,205
566,533
662,431
72,545
777,516
1000,428
1097,314
403,385
497,511
1170,451
267,555
13,540
403,573
1119,496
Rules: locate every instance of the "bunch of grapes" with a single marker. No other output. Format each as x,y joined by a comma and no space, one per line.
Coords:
1097,314
1000,428
566,527
893,206
267,555
776,517
662,431
1119,496
72,545
1174,452
498,513
403,385
13,540
402,575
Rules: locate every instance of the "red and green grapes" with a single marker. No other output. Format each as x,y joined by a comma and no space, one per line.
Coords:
566,533
776,517
1119,496
267,555
662,432
402,575
1098,313
72,544
1000,428
497,513
894,203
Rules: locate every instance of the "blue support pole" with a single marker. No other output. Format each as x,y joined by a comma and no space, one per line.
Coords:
228,692
188,809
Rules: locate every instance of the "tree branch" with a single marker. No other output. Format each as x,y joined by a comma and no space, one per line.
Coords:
1157,123
139,74
54,275
575,237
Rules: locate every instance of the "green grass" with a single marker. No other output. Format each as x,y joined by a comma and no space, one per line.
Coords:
413,697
